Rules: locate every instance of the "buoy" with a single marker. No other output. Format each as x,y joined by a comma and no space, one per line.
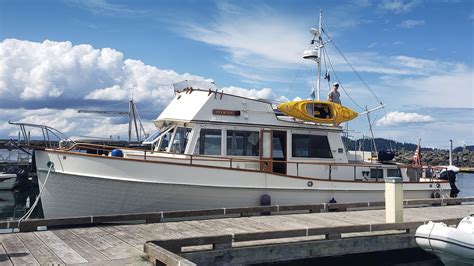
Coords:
117,153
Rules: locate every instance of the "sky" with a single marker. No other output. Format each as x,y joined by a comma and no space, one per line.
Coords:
415,56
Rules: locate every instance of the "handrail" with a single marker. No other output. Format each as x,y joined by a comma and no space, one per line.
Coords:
219,159
45,130
194,159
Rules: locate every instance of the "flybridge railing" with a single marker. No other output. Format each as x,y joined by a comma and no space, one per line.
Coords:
52,138
297,167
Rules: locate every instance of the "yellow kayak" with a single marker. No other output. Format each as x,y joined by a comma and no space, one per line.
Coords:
318,111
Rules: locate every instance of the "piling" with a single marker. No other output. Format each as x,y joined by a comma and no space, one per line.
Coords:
393,200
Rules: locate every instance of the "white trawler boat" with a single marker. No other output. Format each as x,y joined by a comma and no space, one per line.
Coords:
219,150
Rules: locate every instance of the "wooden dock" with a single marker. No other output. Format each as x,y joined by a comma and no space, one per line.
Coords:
241,240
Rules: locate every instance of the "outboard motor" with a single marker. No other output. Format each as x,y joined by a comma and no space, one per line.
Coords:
450,175
385,156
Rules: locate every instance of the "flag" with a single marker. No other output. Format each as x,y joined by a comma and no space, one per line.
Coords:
313,92
327,76
417,156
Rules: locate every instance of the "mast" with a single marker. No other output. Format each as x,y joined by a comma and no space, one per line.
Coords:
451,152
314,53
320,43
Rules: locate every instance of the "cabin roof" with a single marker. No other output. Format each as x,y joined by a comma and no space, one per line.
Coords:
203,106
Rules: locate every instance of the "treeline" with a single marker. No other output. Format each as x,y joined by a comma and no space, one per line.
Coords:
382,144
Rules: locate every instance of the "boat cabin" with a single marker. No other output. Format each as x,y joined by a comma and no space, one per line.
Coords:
219,129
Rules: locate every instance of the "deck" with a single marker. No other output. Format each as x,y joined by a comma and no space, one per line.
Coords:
124,244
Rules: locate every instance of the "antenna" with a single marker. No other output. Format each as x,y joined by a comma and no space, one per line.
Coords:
314,53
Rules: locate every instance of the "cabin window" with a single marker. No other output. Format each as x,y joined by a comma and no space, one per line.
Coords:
394,173
209,142
242,143
178,145
310,146
166,136
376,173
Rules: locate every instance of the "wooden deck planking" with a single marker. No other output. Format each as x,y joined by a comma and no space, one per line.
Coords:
118,244
17,251
129,235
60,248
109,245
39,250
87,251
4,258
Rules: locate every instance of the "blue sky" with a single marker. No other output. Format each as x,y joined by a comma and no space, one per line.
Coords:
416,55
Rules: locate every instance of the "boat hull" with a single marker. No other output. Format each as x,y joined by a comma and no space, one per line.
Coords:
83,185
453,246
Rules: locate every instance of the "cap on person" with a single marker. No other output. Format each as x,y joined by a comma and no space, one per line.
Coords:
336,84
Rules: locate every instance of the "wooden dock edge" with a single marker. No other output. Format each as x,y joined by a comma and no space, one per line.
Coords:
169,252
154,217
226,240
160,256
301,250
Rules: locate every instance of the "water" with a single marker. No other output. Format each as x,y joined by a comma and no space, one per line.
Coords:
465,182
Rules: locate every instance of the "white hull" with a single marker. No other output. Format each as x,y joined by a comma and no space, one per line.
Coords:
454,246
7,181
82,185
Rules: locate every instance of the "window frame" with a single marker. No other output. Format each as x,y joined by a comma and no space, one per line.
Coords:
329,156
245,142
202,147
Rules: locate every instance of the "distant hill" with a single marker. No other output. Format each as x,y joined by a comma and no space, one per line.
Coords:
382,144
460,149
404,152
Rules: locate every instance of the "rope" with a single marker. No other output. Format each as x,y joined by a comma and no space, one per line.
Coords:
300,66
340,84
353,69
30,211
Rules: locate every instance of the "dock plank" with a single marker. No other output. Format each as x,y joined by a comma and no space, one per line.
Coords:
60,248
16,250
83,248
39,250
4,258
109,245
129,234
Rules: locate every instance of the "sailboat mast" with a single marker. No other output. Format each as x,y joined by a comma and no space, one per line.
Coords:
320,44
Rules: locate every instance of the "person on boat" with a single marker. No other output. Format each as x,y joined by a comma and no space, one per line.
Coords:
333,95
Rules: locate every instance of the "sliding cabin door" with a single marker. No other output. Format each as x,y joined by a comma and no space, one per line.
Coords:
273,151
279,152
266,139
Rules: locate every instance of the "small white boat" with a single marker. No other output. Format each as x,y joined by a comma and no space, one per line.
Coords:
454,246
7,181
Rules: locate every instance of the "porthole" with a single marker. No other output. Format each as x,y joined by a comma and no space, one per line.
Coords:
310,183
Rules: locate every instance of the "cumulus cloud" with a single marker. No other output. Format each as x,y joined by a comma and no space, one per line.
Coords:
61,70
67,121
409,23
396,118
265,93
